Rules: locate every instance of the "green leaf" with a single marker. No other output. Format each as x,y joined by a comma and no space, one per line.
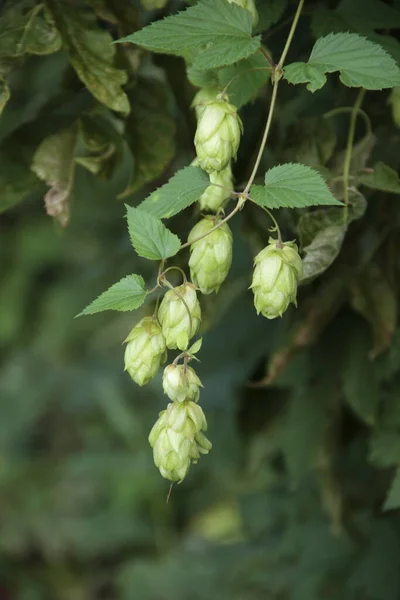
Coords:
25,31
269,13
150,133
375,299
301,72
149,236
127,294
361,63
292,186
360,385
184,188
247,77
383,178
195,347
53,162
393,498
91,54
322,251
4,94
16,179
385,448
219,31
104,143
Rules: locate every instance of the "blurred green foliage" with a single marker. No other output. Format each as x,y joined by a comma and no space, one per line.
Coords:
299,498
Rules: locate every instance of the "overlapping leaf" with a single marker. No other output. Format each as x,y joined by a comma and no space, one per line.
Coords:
184,188
219,32
360,62
149,236
91,54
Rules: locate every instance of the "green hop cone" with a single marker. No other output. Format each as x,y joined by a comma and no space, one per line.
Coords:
145,350
180,383
394,100
217,136
178,328
276,274
177,439
210,257
248,5
214,197
203,97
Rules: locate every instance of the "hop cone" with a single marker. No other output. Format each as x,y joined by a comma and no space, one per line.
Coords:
250,6
203,97
217,136
210,257
178,328
276,274
394,100
145,350
177,439
180,383
214,197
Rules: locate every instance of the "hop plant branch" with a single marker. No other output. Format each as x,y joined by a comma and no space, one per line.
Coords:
349,149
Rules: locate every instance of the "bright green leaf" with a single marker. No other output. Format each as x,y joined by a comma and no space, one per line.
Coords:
301,72
195,347
25,31
382,178
393,498
150,133
184,188
53,162
91,54
246,77
149,236
127,294
361,63
292,186
219,31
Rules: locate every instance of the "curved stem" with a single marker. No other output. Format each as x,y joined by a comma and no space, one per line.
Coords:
268,57
349,149
344,109
182,272
275,222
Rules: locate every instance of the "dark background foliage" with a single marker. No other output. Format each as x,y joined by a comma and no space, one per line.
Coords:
300,496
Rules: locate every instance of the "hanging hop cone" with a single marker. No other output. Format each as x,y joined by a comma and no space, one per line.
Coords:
177,326
180,382
203,97
210,257
218,135
145,350
250,6
394,100
215,197
178,440
276,274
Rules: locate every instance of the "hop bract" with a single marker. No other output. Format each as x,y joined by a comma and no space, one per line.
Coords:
145,350
210,257
250,6
217,136
203,97
180,382
276,274
177,439
214,197
177,326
